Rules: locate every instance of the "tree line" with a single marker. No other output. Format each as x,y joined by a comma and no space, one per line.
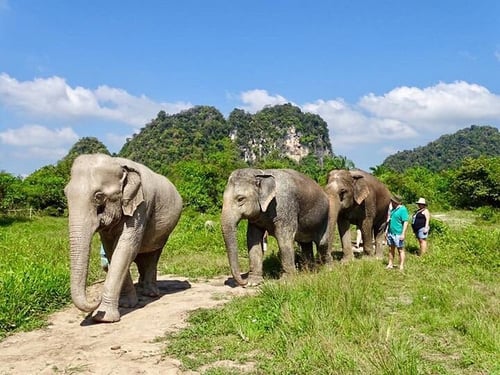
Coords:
197,149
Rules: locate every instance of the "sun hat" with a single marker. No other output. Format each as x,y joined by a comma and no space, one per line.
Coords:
422,201
396,199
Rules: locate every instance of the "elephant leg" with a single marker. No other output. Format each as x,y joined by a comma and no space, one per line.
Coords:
285,240
128,294
324,250
379,249
147,264
345,236
118,277
367,236
307,255
256,254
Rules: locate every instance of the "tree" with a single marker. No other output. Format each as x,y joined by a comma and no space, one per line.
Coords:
44,190
477,183
11,192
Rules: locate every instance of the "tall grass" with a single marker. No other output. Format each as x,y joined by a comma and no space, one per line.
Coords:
33,271
34,264
439,316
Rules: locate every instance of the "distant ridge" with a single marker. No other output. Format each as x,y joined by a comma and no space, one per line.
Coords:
449,150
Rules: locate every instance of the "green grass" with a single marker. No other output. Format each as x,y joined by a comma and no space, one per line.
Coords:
34,264
33,271
440,316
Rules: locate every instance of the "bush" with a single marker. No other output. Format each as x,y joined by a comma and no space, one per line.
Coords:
438,227
488,214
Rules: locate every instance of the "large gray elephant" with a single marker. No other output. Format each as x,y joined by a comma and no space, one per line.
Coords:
357,197
287,204
134,210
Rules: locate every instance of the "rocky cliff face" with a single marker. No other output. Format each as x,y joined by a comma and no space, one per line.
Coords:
283,131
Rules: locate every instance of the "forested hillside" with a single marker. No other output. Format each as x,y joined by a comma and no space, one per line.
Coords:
168,139
279,131
283,130
448,151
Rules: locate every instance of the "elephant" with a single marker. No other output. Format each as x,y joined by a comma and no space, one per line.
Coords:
357,197
134,210
287,204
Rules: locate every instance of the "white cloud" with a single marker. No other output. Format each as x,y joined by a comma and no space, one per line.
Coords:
445,104
497,54
36,135
350,126
255,100
53,97
407,113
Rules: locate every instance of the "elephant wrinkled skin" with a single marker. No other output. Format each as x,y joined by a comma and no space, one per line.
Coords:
287,204
134,210
357,197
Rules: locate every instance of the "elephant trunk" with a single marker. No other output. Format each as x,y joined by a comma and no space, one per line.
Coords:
229,229
80,235
333,214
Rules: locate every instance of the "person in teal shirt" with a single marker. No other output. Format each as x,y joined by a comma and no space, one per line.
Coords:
396,231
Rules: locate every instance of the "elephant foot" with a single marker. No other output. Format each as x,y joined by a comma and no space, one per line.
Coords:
254,281
128,300
106,314
149,289
346,260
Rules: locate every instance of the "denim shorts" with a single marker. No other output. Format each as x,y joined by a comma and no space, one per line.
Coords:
422,234
395,240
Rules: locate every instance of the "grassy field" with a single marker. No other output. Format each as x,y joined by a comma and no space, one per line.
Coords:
440,316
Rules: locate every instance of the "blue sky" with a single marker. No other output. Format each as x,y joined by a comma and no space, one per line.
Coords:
384,75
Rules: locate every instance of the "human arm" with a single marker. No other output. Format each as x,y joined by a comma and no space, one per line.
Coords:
427,215
405,226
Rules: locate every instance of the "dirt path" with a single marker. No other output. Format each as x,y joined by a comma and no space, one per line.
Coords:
72,344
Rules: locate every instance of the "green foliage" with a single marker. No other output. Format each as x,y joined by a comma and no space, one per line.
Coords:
438,317
44,190
12,194
195,182
477,183
168,139
449,151
264,134
196,250
437,227
488,214
34,277
418,182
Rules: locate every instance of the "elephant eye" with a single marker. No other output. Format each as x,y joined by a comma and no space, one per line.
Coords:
99,197
240,200
342,193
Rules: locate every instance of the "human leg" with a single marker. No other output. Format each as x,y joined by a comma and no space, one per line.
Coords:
402,256
423,246
392,251
422,241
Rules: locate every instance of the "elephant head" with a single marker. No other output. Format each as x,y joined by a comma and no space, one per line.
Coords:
248,193
100,193
345,190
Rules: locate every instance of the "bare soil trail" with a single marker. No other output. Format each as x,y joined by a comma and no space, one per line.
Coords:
72,344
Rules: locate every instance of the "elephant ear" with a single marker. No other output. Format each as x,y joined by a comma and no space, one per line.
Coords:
132,195
266,188
361,189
